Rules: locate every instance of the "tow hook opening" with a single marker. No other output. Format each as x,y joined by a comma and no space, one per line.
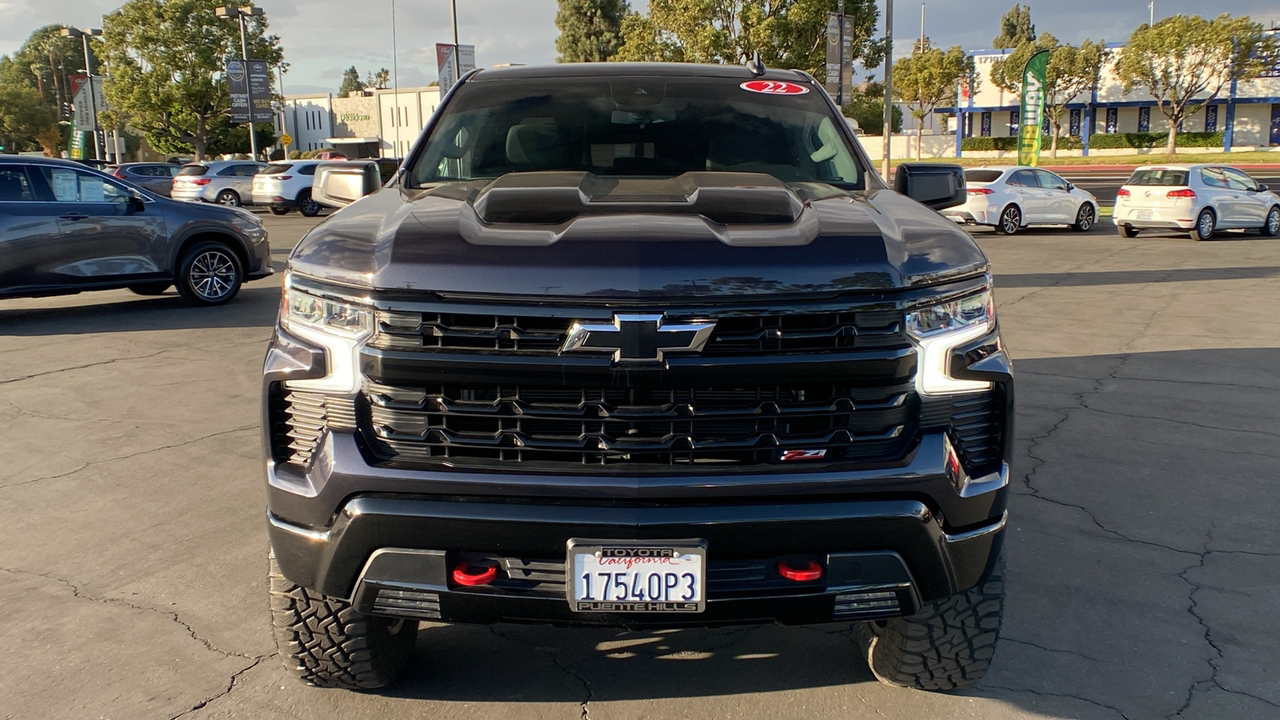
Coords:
800,571
474,574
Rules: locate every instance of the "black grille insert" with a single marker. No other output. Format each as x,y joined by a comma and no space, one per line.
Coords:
752,334
706,427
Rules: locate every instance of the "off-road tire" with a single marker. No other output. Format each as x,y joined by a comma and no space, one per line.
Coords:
1086,216
1010,220
1126,230
947,645
325,642
150,289
1203,230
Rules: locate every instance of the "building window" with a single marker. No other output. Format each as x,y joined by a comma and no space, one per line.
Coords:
1113,120
1144,119
1044,126
1211,118
1013,122
1073,123
986,124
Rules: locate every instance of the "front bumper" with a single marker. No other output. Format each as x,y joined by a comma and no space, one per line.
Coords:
401,548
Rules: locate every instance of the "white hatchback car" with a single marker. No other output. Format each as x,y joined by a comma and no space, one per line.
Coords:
1199,198
1013,197
286,185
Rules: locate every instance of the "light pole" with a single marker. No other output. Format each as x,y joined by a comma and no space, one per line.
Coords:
240,13
457,59
888,88
88,71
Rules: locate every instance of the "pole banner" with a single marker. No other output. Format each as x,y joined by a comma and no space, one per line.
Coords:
1032,109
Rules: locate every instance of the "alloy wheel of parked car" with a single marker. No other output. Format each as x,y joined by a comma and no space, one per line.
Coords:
1010,220
1204,226
307,206
229,198
210,274
1084,218
1272,227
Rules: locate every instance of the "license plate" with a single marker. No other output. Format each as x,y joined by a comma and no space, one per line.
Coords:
637,577
1142,215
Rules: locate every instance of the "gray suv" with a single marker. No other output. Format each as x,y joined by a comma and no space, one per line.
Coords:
226,182
65,228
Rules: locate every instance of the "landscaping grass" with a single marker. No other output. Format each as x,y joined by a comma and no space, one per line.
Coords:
1240,158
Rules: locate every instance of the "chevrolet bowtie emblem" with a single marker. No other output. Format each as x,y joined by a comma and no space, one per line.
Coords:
638,338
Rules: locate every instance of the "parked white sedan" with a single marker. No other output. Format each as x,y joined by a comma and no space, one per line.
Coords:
1011,198
1198,198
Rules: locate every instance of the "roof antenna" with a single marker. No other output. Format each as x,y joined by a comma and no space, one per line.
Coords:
755,66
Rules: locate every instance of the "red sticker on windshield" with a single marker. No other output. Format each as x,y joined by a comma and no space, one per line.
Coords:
773,87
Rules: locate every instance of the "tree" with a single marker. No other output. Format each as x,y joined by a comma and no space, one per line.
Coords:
45,62
1185,62
926,79
351,82
166,59
381,79
1071,71
23,118
590,30
866,106
1015,28
786,33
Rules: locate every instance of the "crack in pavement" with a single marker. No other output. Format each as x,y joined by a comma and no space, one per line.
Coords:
231,684
1217,654
131,455
173,616
1038,693
1177,422
566,669
1006,638
86,365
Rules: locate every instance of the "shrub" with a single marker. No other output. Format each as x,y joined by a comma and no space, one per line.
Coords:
1009,143
1148,140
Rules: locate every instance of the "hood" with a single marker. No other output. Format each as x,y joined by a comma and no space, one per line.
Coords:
687,237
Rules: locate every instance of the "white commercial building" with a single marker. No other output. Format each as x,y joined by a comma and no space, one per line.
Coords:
384,123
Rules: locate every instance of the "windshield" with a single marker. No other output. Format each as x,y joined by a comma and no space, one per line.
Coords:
1158,176
634,127
982,176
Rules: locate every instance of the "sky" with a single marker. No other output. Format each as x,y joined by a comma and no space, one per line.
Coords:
323,37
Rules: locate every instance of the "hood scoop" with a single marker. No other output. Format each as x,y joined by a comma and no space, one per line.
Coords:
541,208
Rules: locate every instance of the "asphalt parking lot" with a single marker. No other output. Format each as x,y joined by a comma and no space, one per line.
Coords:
1143,554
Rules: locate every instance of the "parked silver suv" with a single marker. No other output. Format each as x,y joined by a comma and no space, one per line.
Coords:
227,182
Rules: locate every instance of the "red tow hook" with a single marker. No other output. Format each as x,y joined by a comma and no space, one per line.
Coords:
463,576
806,574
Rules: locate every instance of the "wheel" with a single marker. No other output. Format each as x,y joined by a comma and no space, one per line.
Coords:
209,274
149,289
307,206
1204,225
1010,220
325,642
1271,227
279,210
947,645
1084,218
228,198
1126,230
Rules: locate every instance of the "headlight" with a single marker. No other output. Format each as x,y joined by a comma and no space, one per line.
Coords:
340,327
939,329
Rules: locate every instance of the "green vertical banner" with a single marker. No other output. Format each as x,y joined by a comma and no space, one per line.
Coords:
1032,115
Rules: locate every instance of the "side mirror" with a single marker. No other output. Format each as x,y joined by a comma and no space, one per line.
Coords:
342,182
935,185
1262,188
136,204
1070,187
